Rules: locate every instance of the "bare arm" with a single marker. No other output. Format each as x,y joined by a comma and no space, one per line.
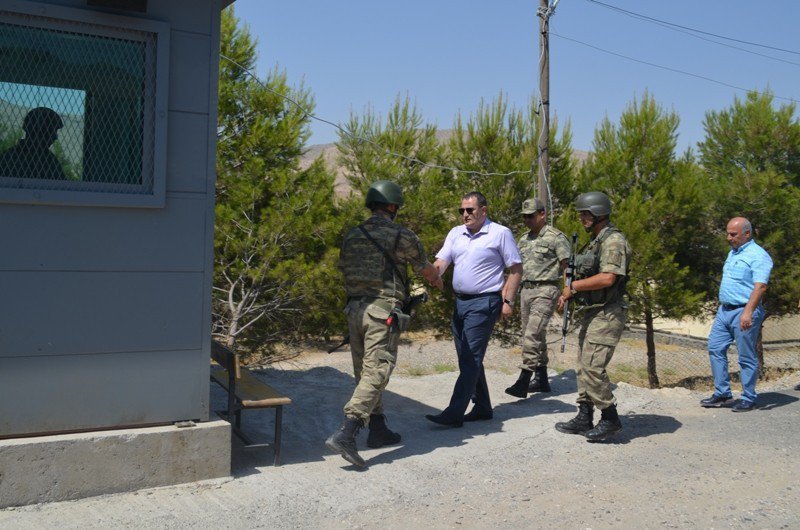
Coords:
431,274
510,288
441,265
746,319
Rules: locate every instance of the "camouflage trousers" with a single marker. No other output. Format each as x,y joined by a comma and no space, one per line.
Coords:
536,308
373,345
601,329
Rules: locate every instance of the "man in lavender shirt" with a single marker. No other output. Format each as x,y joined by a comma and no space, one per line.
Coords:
481,251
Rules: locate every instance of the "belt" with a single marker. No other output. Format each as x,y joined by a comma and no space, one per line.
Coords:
731,307
467,296
527,284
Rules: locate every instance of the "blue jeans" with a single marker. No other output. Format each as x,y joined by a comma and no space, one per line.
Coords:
724,332
473,321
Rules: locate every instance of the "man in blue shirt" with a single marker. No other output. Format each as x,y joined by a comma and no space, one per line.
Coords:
739,317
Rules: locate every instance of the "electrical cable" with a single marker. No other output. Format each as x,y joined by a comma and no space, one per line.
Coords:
645,17
376,145
698,76
666,25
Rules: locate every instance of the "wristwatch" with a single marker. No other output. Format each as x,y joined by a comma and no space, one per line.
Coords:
572,291
509,302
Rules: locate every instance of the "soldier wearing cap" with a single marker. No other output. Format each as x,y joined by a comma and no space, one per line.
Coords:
545,253
601,273
373,259
31,156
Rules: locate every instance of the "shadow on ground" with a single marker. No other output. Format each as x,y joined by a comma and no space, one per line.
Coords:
773,400
318,395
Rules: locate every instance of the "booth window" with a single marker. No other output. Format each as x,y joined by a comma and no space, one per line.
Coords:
82,117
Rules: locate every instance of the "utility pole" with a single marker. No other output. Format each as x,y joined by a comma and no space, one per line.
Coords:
544,13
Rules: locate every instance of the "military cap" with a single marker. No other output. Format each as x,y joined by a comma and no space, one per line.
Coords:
532,206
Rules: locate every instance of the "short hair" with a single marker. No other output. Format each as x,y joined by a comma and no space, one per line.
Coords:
746,226
477,196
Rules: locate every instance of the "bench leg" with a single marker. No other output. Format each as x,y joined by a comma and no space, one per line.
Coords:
278,431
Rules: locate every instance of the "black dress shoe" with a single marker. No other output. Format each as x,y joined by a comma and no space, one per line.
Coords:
743,406
441,419
475,415
715,401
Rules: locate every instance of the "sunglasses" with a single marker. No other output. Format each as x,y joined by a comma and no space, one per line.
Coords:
468,210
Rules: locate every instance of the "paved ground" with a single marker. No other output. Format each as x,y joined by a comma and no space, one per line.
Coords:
674,464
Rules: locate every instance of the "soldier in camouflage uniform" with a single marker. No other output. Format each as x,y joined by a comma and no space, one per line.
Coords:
601,273
377,284
545,253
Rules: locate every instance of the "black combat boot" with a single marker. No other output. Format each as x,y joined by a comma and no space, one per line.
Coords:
540,382
581,423
520,388
379,433
609,424
343,441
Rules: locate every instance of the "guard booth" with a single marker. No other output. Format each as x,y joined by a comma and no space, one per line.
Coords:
107,157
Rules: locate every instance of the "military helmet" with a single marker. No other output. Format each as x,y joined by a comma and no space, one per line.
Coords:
384,192
42,119
595,202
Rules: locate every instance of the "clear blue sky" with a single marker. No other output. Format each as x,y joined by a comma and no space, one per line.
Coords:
448,54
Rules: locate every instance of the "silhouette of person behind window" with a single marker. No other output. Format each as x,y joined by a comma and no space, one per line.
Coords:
31,156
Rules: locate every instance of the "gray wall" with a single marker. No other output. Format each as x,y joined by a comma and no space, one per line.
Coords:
105,312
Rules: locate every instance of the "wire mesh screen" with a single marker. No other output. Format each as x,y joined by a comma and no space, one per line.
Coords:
682,359
76,106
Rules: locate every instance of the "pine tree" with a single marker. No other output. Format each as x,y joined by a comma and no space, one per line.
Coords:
275,224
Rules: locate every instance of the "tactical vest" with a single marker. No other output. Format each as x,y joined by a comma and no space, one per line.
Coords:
367,271
587,263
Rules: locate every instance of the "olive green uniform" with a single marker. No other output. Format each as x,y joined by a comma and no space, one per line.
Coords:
375,287
542,255
603,315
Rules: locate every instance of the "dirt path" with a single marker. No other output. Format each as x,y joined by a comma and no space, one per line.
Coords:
674,464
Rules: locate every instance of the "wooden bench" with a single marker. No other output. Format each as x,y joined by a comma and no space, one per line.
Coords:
246,391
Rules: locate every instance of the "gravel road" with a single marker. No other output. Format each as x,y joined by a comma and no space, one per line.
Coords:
675,465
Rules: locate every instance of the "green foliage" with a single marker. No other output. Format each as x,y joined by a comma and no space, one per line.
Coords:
275,223
751,155
499,139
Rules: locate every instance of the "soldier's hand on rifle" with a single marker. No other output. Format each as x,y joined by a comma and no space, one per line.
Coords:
566,294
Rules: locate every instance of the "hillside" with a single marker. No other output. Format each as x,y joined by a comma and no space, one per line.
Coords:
330,153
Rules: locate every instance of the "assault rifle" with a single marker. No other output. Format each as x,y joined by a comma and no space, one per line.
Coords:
408,307
569,275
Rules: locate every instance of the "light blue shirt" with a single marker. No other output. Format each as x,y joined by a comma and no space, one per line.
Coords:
744,267
479,259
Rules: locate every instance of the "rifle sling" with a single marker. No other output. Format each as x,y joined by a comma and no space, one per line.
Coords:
386,254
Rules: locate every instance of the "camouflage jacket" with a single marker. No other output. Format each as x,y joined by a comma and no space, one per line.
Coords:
607,252
542,254
367,272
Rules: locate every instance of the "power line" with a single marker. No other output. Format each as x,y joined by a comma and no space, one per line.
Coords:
645,17
670,27
683,72
367,140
